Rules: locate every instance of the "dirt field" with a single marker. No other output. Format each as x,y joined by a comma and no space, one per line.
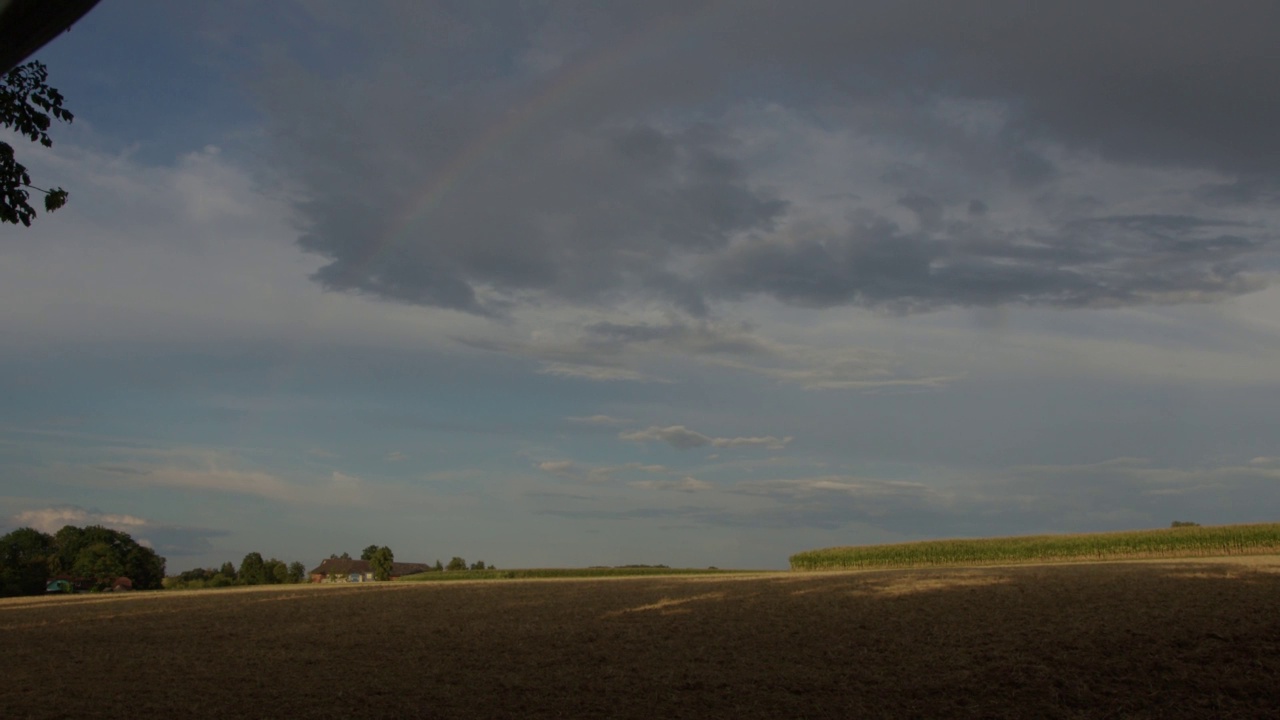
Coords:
1158,640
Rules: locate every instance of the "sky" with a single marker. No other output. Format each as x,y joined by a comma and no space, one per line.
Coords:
696,282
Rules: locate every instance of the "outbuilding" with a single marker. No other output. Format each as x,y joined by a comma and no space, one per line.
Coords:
60,586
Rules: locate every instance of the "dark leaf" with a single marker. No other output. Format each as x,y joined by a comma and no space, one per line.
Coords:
55,199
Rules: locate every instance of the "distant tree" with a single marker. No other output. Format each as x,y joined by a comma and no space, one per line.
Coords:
26,102
381,560
143,567
69,540
456,563
439,566
25,555
275,572
98,561
478,565
1184,523
252,569
345,556
196,575
367,553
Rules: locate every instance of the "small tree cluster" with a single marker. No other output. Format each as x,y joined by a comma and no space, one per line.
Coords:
457,563
253,571
93,555
1184,523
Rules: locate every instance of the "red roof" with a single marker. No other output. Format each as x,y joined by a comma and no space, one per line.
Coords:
345,566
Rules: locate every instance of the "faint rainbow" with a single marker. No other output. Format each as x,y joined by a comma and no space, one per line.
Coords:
496,137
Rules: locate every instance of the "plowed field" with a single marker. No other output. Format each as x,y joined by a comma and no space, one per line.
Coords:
1157,640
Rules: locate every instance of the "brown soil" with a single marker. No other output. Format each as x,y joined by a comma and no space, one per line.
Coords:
1155,640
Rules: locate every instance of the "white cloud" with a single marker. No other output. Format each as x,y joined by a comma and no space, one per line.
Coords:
556,467
767,442
580,472
844,485
678,436
165,539
596,373
219,471
615,345
598,420
193,253
53,519
577,472
240,482
646,468
686,484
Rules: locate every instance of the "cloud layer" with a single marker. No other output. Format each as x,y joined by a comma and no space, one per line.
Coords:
167,540
682,438
905,157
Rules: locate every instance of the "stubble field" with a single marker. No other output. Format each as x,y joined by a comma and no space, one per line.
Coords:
1185,639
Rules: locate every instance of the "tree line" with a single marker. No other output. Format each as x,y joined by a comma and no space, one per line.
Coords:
253,570
94,557
381,558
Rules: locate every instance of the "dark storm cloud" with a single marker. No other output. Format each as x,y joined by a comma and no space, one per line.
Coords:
476,157
1156,80
1244,190
1095,262
579,216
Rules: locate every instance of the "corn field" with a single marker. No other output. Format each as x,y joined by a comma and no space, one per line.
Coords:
1197,541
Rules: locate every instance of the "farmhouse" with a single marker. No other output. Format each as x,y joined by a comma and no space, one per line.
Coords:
346,570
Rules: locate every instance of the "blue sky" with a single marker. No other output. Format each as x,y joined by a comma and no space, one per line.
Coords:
606,283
